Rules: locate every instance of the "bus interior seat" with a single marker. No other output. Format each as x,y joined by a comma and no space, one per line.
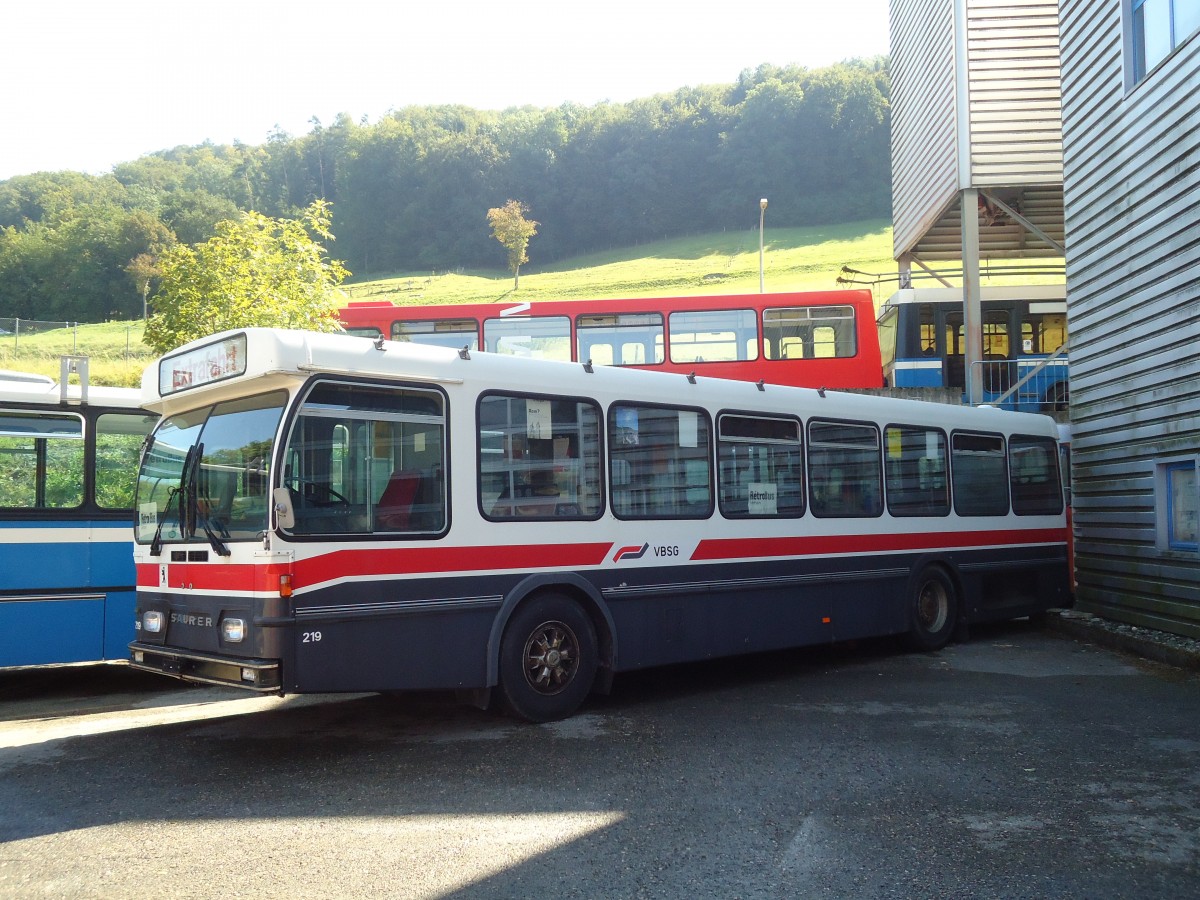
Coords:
393,512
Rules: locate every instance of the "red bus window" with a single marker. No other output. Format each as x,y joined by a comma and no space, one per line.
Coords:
809,332
620,339
715,335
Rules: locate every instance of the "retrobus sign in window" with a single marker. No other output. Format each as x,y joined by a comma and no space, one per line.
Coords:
203,365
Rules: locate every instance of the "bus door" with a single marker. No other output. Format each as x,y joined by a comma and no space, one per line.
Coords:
1043,335
996,365
909,346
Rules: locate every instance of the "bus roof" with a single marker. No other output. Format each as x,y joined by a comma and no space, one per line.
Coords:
219,366
49,391
1032,293
568,306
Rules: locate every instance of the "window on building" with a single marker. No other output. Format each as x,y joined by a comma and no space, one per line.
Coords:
1178,502
1157,27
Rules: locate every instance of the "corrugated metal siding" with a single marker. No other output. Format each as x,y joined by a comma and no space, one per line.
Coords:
1132,173
1012,116
924,163
1013,76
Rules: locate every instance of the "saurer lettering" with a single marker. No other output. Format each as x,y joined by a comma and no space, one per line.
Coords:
190,619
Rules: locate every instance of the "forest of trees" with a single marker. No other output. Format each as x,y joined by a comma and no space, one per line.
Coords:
412,190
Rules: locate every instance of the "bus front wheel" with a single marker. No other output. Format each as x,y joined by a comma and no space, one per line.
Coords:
932,610
548,659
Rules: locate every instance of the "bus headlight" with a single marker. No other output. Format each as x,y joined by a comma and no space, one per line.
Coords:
233,631
153,620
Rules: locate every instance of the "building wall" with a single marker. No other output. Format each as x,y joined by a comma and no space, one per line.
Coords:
975,103
924,125
1131,183
1013,77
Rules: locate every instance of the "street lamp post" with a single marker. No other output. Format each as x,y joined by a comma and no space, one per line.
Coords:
762,212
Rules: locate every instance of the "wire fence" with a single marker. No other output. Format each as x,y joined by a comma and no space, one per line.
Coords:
38,337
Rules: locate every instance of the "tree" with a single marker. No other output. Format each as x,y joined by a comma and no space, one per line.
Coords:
513,230
254,271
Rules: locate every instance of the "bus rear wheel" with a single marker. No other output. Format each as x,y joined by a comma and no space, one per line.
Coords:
548,659
932,610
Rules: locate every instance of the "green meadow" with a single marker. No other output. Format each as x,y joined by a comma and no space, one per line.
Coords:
794,259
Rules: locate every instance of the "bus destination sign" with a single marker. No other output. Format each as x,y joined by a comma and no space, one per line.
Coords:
203,365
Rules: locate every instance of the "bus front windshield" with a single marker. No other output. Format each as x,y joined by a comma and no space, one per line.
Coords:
205,476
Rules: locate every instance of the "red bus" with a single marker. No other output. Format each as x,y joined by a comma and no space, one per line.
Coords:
813,339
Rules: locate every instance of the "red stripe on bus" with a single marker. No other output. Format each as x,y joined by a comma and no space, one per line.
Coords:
759,548
214,576
353,563
373,562
452,560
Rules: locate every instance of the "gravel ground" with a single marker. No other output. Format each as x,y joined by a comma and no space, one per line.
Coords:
1160,646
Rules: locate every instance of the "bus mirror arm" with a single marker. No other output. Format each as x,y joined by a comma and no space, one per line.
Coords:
285,516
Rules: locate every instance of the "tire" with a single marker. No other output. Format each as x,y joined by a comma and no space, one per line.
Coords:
932,610
548,659
1058,398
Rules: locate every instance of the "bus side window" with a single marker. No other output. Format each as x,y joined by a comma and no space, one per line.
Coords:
717,335
362,460
915,464
118,437
759,467
539,457
979,474
803,332
1036,485
667,455
42,458
620,339
844,469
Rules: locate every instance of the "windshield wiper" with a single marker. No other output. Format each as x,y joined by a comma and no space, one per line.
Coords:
189,483
156,542
214,540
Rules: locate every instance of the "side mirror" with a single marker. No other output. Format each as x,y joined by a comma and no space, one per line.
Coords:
285,516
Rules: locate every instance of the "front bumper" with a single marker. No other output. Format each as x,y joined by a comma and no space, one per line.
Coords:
258,675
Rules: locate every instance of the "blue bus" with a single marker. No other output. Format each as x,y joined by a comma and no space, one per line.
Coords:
1024,328
68,464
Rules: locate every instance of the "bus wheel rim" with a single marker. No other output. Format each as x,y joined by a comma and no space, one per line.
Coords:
932,607
551,657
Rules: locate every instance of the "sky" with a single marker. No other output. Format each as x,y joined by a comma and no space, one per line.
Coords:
90,84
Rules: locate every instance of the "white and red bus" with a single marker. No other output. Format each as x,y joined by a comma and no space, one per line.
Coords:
323,513
815,339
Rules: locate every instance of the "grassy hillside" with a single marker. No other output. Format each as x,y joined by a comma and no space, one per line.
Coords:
795,259
115,352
